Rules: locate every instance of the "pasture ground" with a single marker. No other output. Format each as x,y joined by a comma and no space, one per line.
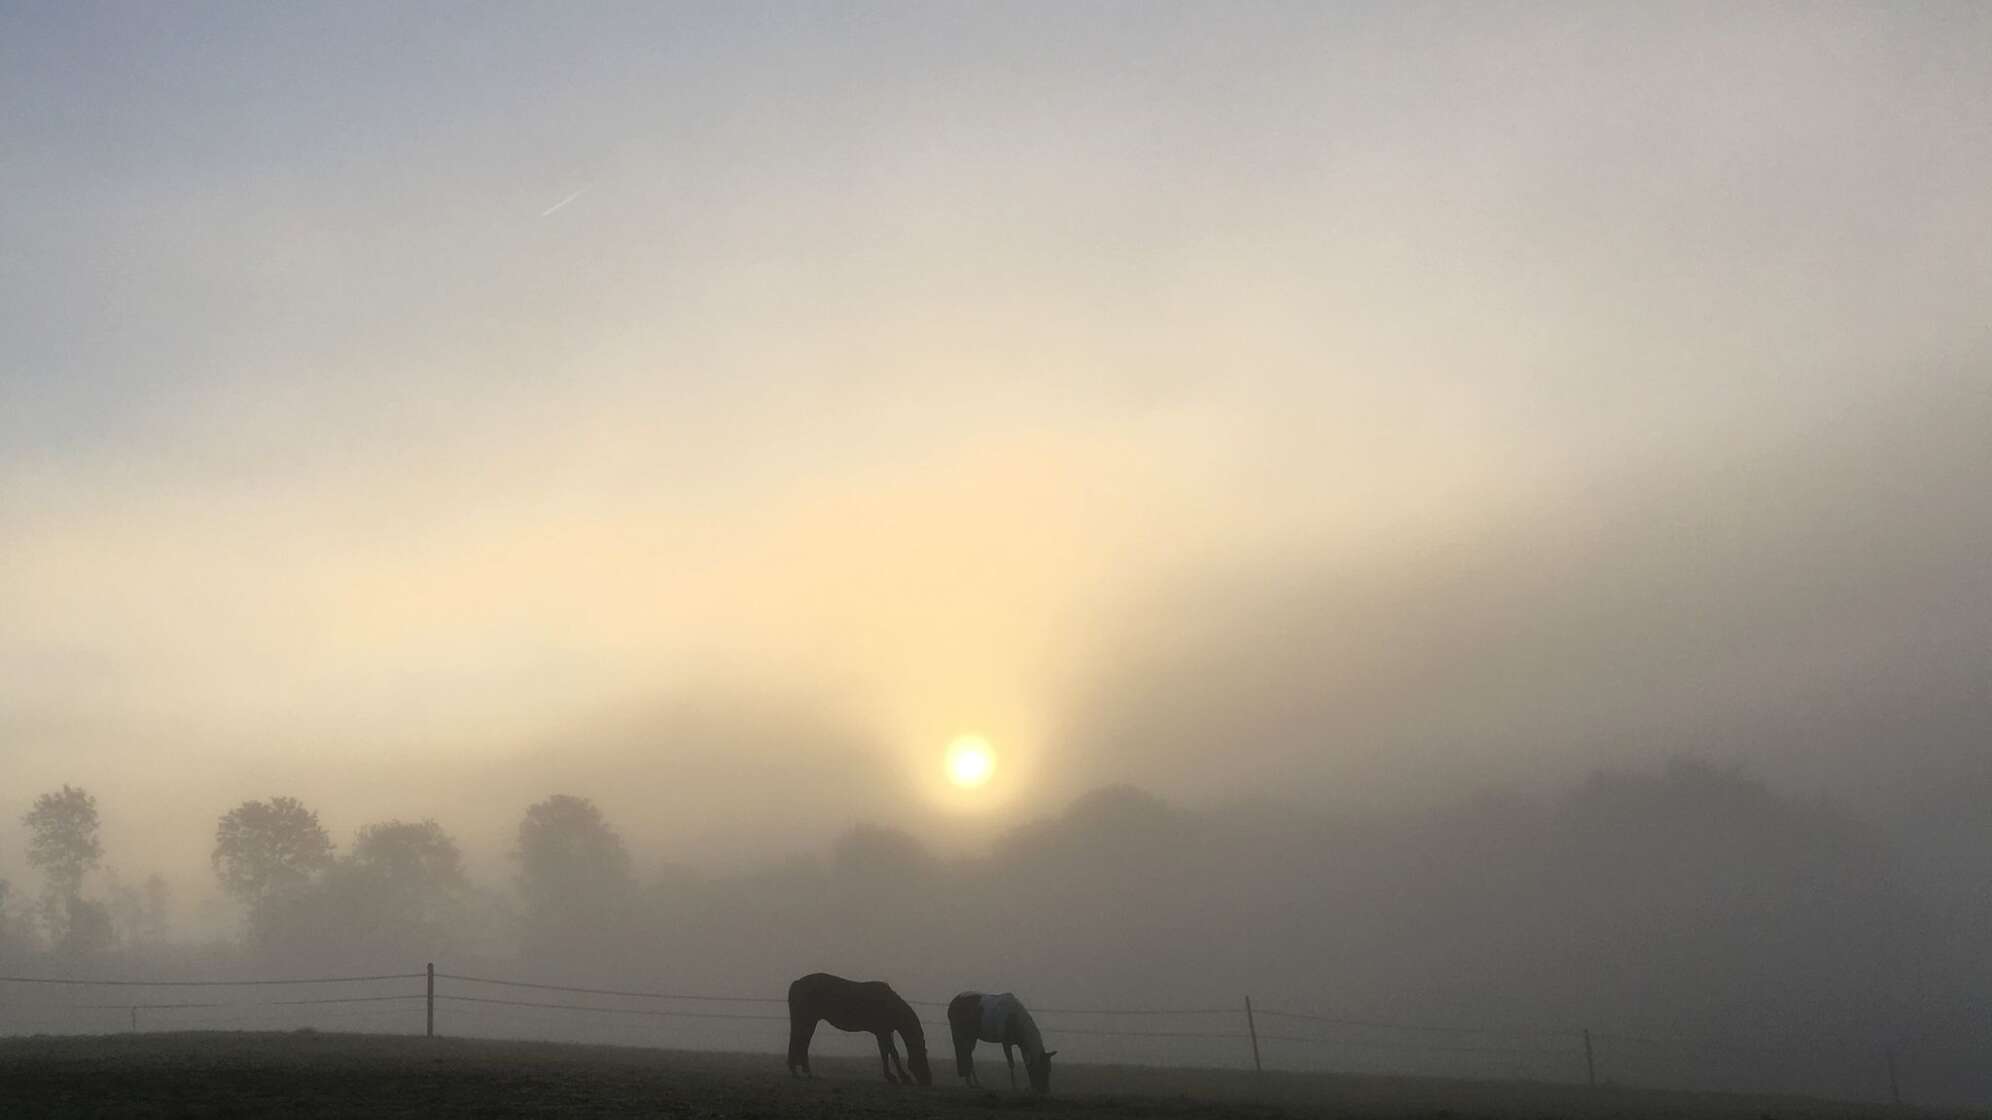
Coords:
311,1074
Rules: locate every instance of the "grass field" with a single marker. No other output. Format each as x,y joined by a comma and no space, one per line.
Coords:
312,1074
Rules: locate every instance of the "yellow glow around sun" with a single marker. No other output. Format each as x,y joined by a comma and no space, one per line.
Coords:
970,761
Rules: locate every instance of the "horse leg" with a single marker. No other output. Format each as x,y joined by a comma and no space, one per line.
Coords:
965,1060
886,1053
801,1029
1012,1059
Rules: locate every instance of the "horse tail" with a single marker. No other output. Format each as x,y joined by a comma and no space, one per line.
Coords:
964,1022
802,1022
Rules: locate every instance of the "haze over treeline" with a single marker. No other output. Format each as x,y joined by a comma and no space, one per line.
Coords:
1686,901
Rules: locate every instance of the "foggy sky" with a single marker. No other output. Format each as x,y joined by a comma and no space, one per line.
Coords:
1335,403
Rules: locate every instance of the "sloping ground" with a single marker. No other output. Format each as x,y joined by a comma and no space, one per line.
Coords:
310,1074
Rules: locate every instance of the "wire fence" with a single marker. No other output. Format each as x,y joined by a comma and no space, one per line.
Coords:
1244,1036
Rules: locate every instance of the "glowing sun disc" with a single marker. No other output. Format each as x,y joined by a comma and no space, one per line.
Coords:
970,761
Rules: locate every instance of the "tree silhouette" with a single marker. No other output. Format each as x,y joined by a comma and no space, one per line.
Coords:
157,920
138,912
400,889
263,848
63,846
403,879
89,928
62,840
406,857
11,932
574,872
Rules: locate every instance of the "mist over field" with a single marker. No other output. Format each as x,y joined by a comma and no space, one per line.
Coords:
1461,516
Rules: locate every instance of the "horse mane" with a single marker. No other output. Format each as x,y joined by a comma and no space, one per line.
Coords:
909,1024
1026,1029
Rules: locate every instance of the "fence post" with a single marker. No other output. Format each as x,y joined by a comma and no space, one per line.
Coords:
1894,1086
1590,1062
431,1000
1253,1027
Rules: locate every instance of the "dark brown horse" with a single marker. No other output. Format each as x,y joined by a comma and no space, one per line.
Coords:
852,1005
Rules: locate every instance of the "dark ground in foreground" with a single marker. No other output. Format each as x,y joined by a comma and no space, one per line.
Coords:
311,1074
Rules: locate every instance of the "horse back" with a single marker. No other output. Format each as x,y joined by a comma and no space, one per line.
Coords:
849,1005
810,989
988,1017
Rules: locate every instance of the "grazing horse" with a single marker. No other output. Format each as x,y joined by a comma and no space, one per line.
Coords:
851,1005
998,1018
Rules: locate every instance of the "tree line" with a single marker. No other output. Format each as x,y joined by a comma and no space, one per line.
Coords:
400,886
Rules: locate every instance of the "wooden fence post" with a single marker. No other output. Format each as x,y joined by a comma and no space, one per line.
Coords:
1252,1026
432,999
1590,1062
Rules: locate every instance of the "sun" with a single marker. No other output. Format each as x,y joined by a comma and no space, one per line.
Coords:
970,761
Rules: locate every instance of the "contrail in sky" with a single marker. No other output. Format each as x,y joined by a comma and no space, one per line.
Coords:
562,202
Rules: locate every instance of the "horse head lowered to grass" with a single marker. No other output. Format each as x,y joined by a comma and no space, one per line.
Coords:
851,1005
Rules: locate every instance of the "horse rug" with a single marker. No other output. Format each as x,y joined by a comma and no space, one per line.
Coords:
997,1012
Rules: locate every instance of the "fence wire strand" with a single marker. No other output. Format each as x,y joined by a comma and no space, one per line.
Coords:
207,983
606,991
1421,1047
646,1011
1378,1025
1103,1010
228,1003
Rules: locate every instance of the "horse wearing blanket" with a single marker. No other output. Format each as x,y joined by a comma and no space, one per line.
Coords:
1001,1018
